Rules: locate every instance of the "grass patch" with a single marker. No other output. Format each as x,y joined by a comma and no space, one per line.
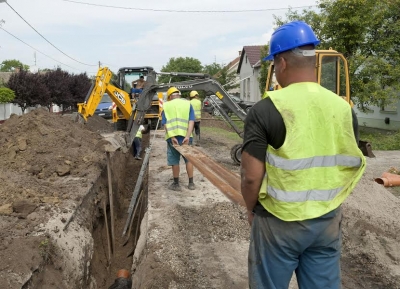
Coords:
381,139
221,133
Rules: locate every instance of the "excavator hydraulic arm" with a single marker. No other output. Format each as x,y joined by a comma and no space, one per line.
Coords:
202,82
102,84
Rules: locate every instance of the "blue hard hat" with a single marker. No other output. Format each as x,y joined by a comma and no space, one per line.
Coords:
291,35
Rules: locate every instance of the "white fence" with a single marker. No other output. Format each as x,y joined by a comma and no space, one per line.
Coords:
8,108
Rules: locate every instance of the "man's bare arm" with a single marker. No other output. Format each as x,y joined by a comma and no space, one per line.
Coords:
252,174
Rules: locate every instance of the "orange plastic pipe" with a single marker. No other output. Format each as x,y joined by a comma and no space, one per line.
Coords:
388,180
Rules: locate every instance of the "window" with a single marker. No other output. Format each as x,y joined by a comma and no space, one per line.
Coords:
248,88
333,74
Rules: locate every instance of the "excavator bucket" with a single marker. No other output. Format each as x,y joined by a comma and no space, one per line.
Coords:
366,148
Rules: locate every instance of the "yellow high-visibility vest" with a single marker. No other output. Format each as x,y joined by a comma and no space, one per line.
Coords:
177,114
319,163
196,107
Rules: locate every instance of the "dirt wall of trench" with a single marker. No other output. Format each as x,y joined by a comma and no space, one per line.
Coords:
54,182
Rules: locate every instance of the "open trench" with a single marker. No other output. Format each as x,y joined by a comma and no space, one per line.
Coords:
98,269
125,171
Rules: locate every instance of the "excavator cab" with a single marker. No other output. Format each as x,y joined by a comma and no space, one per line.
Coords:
129,79
332,72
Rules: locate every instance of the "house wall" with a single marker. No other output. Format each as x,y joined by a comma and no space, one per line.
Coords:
249,82
375,118
233,69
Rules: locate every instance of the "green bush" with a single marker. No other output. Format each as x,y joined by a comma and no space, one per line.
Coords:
6,95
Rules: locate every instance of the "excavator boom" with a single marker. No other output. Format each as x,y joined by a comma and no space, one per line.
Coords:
102,84
202,82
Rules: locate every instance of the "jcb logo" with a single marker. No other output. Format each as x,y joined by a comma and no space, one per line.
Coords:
120,97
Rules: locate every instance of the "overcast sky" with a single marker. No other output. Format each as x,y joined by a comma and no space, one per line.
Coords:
127,37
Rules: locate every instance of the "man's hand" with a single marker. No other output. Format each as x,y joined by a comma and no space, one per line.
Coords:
174,141
185,140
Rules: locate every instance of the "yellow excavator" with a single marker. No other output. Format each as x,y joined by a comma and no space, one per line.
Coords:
122,94
332,72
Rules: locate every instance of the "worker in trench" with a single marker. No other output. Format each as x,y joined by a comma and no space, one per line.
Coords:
178,119
300,161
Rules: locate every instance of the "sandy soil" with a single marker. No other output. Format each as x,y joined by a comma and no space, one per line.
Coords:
47,163
190,239
198,239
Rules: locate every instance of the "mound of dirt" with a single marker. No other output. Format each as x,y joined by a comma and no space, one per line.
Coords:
98,124
40,152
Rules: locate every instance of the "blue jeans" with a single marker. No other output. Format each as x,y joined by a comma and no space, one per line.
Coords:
311,248
173,156
137,146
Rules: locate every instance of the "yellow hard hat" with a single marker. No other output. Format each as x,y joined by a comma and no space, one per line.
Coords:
172,90
193,93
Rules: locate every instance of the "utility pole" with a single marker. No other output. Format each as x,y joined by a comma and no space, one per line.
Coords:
34,56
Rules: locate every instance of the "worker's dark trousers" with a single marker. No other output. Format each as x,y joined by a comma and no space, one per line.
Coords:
311,248
137,146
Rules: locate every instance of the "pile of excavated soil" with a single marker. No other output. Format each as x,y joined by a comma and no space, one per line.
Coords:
47,165
99,124
40,151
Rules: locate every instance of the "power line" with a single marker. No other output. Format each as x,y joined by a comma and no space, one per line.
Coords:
38,50
188,11
48,40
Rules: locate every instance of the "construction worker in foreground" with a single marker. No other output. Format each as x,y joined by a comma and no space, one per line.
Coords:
300,161
196,103
178,119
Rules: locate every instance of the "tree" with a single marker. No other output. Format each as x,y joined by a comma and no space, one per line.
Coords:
21,84
79,86
6,96
58,84
11,64
180,64
212,69
226,79
262,79
368,34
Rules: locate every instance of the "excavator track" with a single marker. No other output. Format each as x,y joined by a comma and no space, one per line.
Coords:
225,180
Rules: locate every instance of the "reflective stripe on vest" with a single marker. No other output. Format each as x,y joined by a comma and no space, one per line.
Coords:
196,107
177,115
319,163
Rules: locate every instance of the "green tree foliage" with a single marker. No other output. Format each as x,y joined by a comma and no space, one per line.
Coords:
180,64
227,79
367,32
212,69
262,78
11,64
6,95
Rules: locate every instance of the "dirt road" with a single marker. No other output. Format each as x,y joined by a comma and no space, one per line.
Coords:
51,168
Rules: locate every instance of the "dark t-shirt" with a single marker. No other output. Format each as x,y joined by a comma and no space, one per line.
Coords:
264,126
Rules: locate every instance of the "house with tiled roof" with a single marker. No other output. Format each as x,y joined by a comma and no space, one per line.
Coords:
248,71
